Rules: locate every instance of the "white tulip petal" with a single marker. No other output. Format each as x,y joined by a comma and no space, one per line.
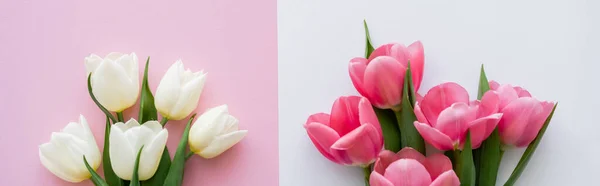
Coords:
188,99
122,155
91,63
221,143
56,168
151,155
168,90
113,88
231,124
113,56
155,126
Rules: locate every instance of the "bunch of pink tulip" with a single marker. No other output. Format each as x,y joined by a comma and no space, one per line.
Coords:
385,131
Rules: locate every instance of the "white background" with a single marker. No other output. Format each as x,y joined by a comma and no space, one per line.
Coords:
550,47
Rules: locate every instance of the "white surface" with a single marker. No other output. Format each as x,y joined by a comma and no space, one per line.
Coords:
550,47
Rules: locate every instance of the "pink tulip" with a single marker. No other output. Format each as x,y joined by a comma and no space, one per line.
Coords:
351,135
445,114
523,117
380,78
410,168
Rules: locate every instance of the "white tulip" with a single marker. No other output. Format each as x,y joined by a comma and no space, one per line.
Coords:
178,92
63,155
126,139
115,79
214,132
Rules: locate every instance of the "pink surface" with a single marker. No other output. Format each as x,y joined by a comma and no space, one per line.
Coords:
43,87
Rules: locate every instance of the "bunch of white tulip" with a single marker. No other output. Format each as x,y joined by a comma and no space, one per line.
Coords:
135,152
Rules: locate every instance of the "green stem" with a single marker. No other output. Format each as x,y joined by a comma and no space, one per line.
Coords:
120,116
189,155
367,171
164,121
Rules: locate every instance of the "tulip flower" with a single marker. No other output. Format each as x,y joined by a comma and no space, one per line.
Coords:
380,78
523,117
214,132
115,80
410,168
445,114
178,92
63,155
351,135
126,139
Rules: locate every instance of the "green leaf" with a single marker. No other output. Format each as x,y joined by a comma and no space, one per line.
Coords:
464,164
135,181
529,151
175,176
391,133
147,109
96,179
106,112
409,88
490,150
409,136
111,178
161,172
369,46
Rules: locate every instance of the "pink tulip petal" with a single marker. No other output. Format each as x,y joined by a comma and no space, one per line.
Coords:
441,97
522,92
490,103
377,179
400,53
344,114
437,164
419,96
454,120
383,50
447,178
366,114
357,73
494,85
536,123
410,153
407,172
434,137
507,94
322,137
360,145
419,113
322,118
482,128
385,158
517,115
384,78
417,63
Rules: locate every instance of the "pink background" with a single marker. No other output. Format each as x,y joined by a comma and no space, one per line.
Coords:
43,87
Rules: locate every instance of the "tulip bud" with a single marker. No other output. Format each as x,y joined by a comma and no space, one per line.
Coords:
115,80
351,135
126,139
63,155
214,132
178,92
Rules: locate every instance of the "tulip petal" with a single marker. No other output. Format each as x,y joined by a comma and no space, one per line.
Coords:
91,63
129,63
383,50
410,153
366,114
522,92
357,73
407,172
507,94
221,143
113,87
122,156
515,120
490,103
323,137
384,159
383,81
188,98
447,178
434,137
322,118
437,164
113,56
417,63
377,179
400,53
54,157
454,120
441,97
494,85
536,122
344,114
419,113
481,128
168,90
362,145
151,153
